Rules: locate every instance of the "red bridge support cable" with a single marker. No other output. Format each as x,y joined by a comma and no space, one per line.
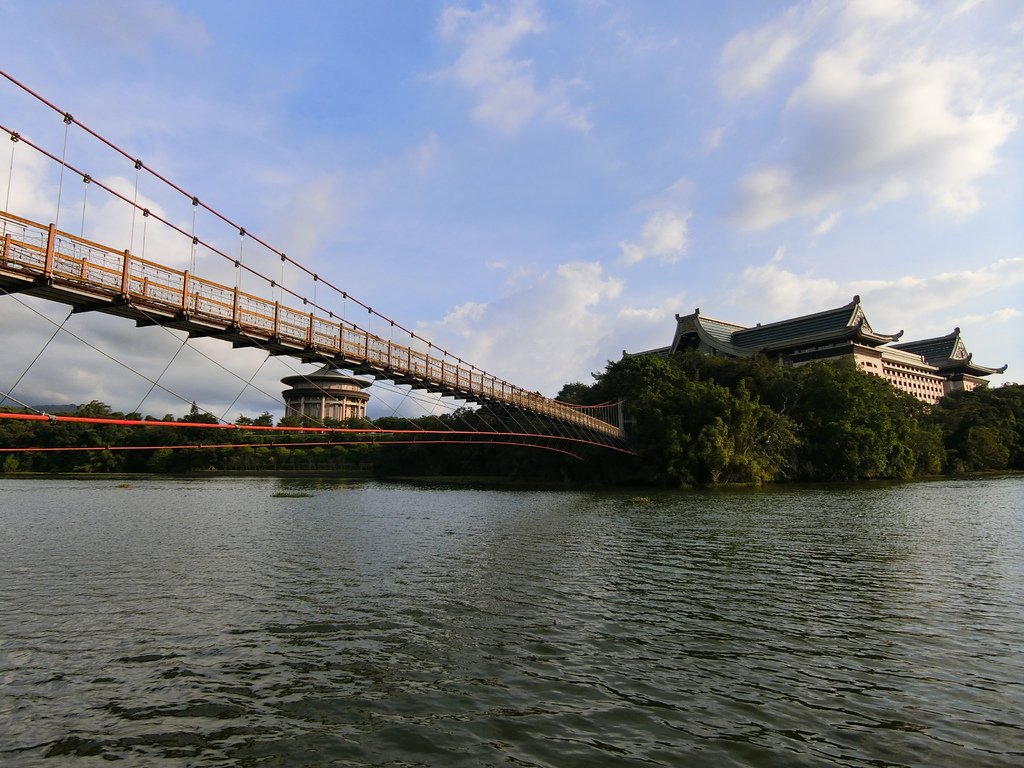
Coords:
66,419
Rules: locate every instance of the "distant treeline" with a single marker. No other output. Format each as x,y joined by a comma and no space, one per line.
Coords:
147,451
694,420
174,448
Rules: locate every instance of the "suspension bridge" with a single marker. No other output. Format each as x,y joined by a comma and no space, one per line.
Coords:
41,260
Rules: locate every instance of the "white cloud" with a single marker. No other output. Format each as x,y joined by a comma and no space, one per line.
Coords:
113,223
542,333
967,6
29,189
918,121
464,315
713,138
646,43
773,194
636,40
91,211
826,224
648,327
912,299
885,12
997,317
752,59
319,209
917,303
664,236
889,191
642,314
665,233
769,292
885,112
508,95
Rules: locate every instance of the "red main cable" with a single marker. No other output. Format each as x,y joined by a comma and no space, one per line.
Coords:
61,419
304,444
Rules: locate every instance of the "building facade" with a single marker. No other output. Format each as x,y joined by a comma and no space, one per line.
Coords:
927,369
326,394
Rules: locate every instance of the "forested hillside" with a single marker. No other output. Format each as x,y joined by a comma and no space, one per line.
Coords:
700,420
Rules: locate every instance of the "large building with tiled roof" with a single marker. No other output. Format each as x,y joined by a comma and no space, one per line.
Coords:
949,354
927,369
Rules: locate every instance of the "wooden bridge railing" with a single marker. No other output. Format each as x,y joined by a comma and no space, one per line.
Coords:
85,272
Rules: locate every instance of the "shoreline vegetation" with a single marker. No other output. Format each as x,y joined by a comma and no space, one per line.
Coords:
694,420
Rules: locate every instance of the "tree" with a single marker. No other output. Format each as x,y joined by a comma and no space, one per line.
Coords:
94,409
983,429
577,393
692,430
195,416
857,426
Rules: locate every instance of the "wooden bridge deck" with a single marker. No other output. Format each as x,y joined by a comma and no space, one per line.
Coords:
39,260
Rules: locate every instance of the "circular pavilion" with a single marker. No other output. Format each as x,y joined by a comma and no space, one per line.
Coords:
325,394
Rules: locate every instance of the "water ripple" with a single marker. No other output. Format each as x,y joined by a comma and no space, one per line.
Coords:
210,623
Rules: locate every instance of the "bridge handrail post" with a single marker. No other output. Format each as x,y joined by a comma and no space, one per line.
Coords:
7,247
51,241
309,331
277,319
234,307
185,285
126,285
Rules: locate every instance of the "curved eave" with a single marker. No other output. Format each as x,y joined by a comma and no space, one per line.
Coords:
698,323
660,352
886,338
968,367
722,346
316,381
855,333
874,338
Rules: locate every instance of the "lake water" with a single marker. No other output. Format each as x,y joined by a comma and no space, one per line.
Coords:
212,623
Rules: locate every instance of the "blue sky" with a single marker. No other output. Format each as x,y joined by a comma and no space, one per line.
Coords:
536,185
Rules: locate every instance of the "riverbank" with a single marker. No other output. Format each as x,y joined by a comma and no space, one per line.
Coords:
493,481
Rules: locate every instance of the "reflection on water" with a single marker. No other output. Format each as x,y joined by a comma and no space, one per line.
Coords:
210,623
